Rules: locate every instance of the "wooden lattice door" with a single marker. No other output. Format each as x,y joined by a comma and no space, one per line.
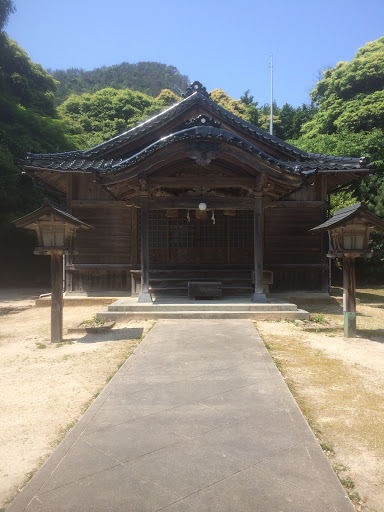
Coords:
181,238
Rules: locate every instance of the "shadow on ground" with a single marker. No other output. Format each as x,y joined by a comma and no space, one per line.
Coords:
125,333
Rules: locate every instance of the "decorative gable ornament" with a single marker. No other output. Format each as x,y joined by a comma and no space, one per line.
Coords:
196,87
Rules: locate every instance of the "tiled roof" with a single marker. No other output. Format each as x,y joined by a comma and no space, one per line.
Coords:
98,157
342,215
78,160
50,206
72,161
204,133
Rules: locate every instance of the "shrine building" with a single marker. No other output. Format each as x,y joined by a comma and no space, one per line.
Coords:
195,193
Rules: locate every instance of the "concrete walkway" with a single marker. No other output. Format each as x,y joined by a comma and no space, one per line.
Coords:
198,419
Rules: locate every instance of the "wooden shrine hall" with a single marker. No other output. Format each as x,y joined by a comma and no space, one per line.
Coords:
195,193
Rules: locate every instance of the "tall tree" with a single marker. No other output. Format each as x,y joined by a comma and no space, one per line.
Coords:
252,112
237,107
97,117
147,77
7,7
350,121
26,124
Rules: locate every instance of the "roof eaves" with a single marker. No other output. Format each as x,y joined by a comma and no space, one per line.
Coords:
210,133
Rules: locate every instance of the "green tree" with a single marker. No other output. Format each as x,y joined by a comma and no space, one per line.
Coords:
351,95
252,112
104,114
147,77
237,107
26,124
350,122
7,7
264,119
167,98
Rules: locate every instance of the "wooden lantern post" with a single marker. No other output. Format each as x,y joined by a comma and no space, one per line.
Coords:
349,231
55,228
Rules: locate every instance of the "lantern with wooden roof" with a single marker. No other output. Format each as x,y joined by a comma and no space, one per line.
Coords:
55,228
349,231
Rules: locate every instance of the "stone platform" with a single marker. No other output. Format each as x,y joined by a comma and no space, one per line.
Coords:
186,308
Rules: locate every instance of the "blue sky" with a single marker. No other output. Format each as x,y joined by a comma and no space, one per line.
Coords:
224,44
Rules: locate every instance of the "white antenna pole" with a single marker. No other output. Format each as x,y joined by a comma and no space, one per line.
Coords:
271,109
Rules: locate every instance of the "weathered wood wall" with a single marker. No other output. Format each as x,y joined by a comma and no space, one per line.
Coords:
297,257
108,253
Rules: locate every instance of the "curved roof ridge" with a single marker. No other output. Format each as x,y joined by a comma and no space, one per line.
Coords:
197,96
150,122
208,132
165,114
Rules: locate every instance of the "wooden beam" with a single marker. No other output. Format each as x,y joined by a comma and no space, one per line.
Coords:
189,181
295,204
192,202
79,203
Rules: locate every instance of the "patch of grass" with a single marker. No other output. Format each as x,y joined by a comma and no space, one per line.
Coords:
354,497
277,363
318,319
327,447
62,343
100,321
291,321
69,426
39,345
347,482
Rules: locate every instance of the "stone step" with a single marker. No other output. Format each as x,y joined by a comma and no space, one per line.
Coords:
183,290
208,314
183,281
124,305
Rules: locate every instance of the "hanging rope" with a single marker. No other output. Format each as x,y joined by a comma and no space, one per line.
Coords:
213,217
188,217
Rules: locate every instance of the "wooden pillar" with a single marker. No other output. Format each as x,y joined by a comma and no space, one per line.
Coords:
56,298
144,296
68,286
349,297
325,270
258,250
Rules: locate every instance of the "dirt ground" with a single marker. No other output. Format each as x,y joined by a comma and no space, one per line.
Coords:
46,387
337,382
339,385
